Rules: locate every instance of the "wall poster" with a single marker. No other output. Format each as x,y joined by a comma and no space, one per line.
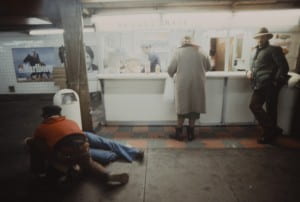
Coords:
35,64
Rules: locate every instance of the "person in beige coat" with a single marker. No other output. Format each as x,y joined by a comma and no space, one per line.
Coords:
189,64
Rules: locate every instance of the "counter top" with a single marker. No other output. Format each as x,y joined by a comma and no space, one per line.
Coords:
216,74
133,76
237,74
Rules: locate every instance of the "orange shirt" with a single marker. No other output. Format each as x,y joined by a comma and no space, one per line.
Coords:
55,128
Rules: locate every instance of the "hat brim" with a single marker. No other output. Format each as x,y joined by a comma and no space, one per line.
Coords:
263,34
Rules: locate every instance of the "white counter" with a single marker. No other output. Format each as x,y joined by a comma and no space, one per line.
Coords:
138,99
217,74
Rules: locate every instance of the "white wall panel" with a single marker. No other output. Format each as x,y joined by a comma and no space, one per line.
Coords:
19,40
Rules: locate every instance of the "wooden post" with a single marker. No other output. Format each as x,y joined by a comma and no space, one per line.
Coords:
71,18
298,62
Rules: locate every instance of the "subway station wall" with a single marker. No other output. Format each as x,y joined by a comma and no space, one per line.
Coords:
13,44
13,47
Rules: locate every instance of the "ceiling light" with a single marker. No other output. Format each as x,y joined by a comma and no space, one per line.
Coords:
55,31
272,18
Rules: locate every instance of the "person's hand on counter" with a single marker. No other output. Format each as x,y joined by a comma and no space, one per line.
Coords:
249,74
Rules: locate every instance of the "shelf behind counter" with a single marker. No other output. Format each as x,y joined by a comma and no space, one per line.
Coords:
137,99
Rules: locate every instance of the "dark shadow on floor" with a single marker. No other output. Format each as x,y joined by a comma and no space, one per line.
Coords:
194,174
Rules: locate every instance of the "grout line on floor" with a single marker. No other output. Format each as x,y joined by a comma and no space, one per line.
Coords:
145,181
233,192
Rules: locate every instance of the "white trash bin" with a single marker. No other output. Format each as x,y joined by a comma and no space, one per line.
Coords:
288,101
68,100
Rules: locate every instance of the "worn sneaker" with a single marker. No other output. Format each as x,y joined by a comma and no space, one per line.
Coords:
140,155
27,140
266,140
122,178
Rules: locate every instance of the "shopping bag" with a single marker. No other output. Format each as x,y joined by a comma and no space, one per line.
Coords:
169,90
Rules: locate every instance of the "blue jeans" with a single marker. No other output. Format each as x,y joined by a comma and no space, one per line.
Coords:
105,150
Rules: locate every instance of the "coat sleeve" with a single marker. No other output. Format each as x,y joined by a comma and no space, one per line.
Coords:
205,60
251,61
172,68
281,63
207,64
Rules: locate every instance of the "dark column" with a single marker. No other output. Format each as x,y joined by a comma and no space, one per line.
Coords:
71,18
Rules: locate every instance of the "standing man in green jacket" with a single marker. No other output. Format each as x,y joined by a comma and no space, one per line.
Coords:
268,73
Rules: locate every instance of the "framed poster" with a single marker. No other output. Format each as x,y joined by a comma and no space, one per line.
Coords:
91,59
35,64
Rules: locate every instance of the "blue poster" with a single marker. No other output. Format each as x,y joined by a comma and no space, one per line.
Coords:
35,64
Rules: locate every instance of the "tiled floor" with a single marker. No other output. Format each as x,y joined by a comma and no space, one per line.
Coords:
216,137
222,164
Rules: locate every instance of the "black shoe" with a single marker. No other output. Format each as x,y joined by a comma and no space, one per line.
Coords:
266,139
278,131
190,133
178,134
140,156
269,135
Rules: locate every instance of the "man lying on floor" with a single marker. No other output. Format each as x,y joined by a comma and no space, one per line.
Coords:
59,143
104,150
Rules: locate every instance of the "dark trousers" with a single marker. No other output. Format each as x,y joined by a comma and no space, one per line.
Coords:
38,156
41,158
267,119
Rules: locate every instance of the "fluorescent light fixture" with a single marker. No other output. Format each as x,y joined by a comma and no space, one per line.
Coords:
212,19
126,22
288,17
37,21
217,19
45,31
55,31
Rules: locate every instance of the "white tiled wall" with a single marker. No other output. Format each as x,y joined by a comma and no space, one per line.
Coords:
7,71
22,40
19,40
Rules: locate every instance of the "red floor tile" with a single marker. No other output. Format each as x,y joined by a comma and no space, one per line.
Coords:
210,137
110,129
236,129
175,144
213,144
140,129
156,134
204,129
223,135
169,129
288,142
122,135
251,143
